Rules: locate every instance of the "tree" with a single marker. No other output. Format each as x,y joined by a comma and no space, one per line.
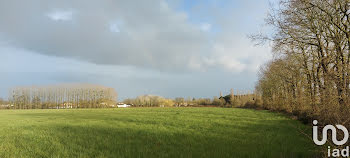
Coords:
218,102
149,101
179,101
63,96
311,65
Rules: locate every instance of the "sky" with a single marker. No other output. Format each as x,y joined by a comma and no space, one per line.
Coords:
171,48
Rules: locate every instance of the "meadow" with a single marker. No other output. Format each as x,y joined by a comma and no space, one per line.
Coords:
152,132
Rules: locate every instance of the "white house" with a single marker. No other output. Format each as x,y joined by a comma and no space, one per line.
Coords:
123,106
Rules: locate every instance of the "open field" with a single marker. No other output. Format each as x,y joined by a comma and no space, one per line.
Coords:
151,132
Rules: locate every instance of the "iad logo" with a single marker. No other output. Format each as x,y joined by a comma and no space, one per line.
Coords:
334,134
334,152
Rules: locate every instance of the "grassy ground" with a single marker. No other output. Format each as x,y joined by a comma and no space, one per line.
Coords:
151,132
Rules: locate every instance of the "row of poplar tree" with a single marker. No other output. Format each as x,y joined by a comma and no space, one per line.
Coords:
62,96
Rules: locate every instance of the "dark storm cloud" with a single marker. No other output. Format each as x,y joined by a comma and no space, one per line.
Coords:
113,32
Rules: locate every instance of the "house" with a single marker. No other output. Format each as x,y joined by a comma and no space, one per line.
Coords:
68,105
123,106
107,104
3,106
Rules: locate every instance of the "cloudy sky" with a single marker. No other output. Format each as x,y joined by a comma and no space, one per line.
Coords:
172,48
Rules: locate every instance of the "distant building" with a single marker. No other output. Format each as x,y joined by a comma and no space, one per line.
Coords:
123,106
107,104
6,105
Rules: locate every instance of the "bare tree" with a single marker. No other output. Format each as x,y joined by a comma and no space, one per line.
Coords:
311,65
62,96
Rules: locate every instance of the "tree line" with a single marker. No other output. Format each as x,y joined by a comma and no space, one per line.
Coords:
62,96
309,74
95,96
230,100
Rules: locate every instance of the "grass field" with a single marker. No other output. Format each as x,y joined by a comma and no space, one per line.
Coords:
151,132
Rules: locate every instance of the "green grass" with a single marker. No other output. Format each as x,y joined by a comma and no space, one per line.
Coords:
151,132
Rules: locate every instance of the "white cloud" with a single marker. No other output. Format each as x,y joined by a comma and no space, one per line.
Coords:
205,27
228,63
61,15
